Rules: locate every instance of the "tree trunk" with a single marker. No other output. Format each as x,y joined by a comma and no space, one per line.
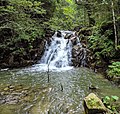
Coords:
114,23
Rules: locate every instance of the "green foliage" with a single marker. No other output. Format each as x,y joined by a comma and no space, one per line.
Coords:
70,10
114,70
22,5
65,16
110,103
19,15
101,45
21,22
118,47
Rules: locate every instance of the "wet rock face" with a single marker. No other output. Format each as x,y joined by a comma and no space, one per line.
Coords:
68,36
80,54
24,55
59,34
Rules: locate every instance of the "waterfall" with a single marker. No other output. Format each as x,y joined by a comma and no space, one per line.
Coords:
59,53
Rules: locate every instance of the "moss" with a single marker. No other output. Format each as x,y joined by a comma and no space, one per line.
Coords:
93,104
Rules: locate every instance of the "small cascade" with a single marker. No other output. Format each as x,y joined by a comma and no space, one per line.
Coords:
58,53
62,53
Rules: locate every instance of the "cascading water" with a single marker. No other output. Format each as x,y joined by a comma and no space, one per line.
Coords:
59,53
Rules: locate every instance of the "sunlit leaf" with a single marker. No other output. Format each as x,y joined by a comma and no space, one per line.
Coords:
115,98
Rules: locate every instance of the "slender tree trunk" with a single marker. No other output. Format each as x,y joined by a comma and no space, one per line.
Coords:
118,25
114,22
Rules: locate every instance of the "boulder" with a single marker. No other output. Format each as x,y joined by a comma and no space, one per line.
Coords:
79,56
59,34
94,105
68,36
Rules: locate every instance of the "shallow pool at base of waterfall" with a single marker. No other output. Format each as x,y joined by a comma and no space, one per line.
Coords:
26,91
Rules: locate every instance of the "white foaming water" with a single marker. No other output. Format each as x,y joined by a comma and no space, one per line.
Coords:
57,55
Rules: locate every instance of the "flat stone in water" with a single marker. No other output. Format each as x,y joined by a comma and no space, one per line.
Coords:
6,89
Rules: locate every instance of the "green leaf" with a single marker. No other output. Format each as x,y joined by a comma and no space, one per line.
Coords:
69,1
107,98
115,98
109,107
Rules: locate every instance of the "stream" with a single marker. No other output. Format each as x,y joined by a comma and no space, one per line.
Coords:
53,86
26,91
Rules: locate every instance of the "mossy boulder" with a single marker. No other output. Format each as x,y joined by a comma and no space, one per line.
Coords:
93,105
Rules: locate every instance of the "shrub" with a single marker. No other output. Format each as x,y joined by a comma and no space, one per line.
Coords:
114,70
110,103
